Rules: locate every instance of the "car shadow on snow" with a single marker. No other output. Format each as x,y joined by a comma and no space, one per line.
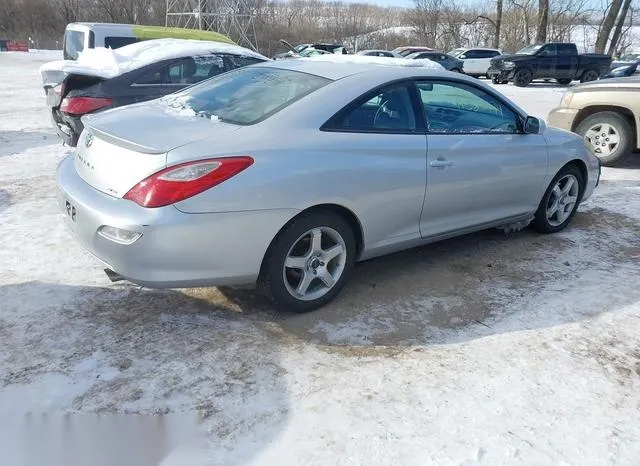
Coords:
473,286
161,368
15,142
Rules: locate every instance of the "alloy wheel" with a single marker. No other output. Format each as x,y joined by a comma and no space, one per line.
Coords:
314,264
562,200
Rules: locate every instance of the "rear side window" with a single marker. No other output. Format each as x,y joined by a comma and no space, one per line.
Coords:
191,70
387,110
73,44
239,61
246,95
566,49
112,42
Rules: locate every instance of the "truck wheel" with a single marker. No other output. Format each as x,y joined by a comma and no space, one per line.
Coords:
522,78
608,135
564,81
589,75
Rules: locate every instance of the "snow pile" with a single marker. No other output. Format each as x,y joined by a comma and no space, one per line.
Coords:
107,63
372,60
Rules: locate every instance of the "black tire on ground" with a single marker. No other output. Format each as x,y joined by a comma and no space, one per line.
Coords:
564,81
495,80
589,75
523,77
620,125
540,222
456,70
272,277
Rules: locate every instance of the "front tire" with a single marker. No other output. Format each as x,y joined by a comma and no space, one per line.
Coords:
560,201
308,262
608,135
523,77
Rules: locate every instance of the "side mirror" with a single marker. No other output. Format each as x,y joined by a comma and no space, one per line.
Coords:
533,125
462,57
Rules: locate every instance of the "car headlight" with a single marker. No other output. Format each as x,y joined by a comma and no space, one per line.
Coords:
509,65
566,99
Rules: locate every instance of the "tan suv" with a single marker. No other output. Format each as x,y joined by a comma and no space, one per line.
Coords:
606,113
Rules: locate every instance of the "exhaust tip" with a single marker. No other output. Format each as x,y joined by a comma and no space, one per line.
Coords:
113,276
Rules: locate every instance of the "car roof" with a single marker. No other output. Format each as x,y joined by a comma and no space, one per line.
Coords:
336,67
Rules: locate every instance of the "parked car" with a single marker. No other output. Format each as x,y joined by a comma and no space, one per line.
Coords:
559,61
448,62
627,65
606,114
302,50
103,79
476,60
407,50
82,36
379,53
288,172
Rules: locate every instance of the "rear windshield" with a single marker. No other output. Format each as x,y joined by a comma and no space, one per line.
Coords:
246,95
73,44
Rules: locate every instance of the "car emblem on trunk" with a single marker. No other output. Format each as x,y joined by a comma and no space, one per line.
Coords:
88,140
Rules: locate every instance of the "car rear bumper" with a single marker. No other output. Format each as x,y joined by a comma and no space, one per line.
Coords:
176,249
67,127
562,118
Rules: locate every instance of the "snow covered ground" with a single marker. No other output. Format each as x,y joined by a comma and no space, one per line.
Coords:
489,349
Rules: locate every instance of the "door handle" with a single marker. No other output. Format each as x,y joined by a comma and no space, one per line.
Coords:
441,162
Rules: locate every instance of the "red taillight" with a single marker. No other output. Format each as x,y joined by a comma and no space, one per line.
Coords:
180,182
82,105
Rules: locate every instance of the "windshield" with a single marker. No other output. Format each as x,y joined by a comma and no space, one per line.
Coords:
73,44
530,49
456,52
630,57
246,95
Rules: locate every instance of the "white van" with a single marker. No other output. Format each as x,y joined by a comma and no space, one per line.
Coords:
81,36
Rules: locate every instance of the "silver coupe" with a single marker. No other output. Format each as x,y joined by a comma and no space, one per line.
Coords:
286,173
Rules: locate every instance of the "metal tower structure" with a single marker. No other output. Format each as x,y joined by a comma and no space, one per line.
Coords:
233,18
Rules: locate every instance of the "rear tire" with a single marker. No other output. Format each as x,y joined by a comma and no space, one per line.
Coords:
589,75
523,77
308,262
560,201
564,81
612,125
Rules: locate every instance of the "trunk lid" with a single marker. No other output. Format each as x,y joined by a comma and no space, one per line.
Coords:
122,146
58,78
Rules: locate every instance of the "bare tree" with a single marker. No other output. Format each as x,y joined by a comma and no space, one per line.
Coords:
543,20
618,29
498,24
607,25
